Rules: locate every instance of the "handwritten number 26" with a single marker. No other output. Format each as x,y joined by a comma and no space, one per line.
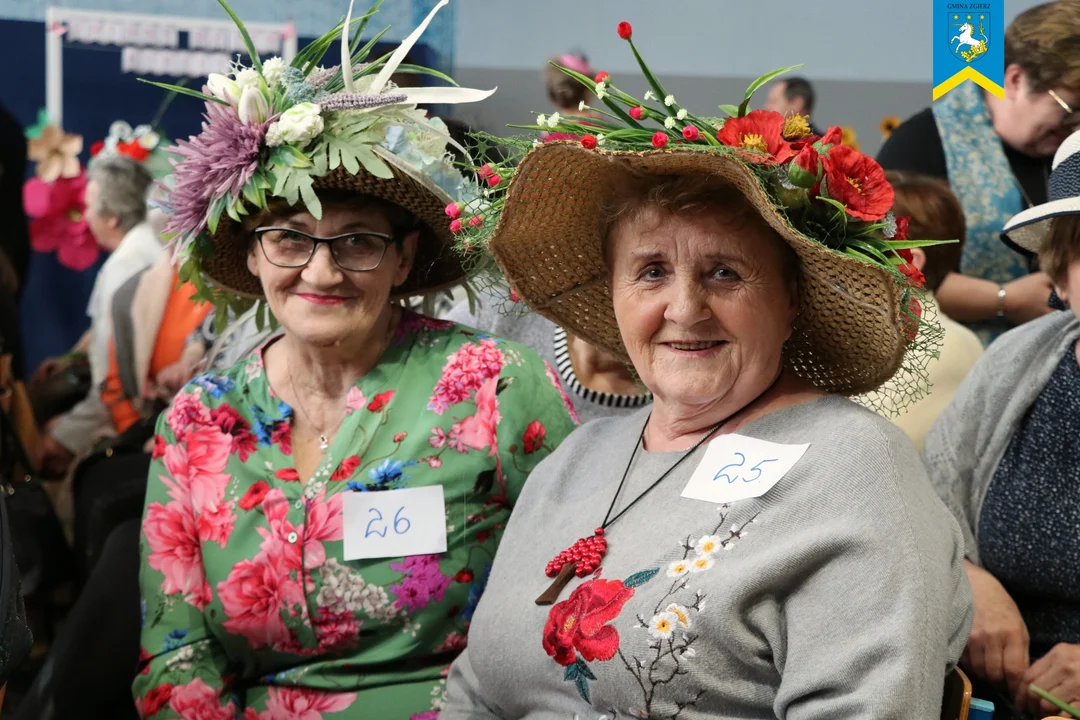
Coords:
734,476
401,524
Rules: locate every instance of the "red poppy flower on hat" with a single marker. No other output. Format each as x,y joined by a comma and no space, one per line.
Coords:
760,131
96,148
602,76
858,182
625,31
832,136
588,142
906,255
902,225
914,274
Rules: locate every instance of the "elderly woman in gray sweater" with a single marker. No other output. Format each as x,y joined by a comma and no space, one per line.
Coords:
1005,458
763,546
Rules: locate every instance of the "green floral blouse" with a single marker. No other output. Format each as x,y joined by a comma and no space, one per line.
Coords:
250,610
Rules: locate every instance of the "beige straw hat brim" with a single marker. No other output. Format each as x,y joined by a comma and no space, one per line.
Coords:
436,267
848,337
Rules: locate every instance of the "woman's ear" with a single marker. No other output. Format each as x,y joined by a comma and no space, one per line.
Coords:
407,253
252,260
1015,80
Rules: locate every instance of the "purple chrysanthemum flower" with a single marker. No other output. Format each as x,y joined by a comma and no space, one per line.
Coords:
218,161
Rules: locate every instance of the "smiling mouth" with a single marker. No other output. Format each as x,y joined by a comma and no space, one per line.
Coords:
692,346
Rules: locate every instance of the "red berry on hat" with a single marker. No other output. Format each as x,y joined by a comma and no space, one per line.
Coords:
588,142
637,112
659,140
625,31
691,133
455,226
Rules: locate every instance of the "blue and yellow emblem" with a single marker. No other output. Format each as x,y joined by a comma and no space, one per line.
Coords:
969,44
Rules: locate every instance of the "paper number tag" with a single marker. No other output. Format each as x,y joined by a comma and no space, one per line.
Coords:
736,467
394,523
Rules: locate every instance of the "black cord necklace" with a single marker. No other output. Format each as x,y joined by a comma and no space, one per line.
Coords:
584,556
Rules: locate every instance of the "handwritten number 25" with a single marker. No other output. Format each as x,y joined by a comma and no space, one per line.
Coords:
742,461
401,524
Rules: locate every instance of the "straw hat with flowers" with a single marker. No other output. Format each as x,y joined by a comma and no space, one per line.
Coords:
285,131
861,318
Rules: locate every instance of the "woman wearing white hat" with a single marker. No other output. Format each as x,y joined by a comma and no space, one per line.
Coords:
1004,458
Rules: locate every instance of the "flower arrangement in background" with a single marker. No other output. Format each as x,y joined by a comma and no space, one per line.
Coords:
272,129
887,125
826,188
54,202
56,154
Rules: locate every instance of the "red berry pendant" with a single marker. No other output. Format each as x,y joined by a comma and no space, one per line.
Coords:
581,559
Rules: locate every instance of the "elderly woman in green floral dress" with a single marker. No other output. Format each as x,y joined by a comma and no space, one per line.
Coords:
320,517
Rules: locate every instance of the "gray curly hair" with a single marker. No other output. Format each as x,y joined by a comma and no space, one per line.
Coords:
123,185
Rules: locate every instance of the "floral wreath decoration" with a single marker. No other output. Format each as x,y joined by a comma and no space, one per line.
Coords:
830,195
283,130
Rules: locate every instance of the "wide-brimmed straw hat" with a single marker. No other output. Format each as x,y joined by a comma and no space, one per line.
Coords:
436,266
288,131
1029,229
860,319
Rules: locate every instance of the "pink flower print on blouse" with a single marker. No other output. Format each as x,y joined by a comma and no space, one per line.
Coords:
465,371
336,631
550,371
233,425
428,715
199,701
175,551
253,597
354,401
187,410
196,468
423,582
478,431
302,704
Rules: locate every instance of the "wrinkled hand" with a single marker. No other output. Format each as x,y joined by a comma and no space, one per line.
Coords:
1026,298
48,368
173,378
1058,673
55,458
998,647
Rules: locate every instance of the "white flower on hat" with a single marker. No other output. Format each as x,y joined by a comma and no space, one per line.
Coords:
223,88
681,114
601,93
541,119
300,124
272,70
649,95
248,77
582,107
253,107
554,120
600,139
669,100
669,123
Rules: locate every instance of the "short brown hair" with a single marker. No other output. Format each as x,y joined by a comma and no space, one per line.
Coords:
1061,247
563,90
1045,42
935,214
688,195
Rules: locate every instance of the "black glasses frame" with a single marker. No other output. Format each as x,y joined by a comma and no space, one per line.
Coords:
316,241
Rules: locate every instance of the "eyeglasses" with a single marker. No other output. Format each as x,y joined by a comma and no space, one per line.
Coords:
1072,117
289,248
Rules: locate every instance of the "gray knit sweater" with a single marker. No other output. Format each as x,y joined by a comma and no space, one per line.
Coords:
839,593
969,438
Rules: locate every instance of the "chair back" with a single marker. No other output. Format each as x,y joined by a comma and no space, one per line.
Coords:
956,700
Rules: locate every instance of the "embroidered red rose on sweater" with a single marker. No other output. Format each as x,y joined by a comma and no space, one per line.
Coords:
580,623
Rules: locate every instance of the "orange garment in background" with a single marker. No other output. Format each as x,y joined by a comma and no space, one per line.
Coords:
179,320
